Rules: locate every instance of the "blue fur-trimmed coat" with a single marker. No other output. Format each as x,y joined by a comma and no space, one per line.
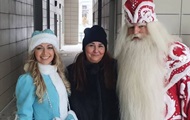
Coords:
96,102
28,107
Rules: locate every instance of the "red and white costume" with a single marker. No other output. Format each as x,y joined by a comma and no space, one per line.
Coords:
178,83
177,86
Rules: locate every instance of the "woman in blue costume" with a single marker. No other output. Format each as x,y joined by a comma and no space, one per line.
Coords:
42,92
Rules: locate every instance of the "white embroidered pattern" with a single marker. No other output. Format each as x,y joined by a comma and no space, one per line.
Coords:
178,65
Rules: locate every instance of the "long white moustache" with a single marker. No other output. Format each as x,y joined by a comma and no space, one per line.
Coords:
133,36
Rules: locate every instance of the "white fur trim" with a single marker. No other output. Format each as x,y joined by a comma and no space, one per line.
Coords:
63,100
43,38
59,85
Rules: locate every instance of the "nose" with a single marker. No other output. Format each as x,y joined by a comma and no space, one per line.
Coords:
136,29
44,51
95,49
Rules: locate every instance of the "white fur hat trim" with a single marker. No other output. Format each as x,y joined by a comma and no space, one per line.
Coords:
43,38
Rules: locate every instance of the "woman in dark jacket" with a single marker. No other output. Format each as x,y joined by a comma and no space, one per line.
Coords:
93,78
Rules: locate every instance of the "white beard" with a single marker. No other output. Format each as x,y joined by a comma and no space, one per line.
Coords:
140,80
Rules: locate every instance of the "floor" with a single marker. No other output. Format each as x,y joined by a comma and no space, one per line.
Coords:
68,53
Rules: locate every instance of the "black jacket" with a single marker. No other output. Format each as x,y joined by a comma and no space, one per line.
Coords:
96,102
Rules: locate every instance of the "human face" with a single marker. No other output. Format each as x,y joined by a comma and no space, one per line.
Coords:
138,31
94,51
44,53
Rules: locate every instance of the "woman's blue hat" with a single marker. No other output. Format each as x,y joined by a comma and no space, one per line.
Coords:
45,36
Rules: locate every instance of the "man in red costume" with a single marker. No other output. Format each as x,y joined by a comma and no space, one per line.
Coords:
154,67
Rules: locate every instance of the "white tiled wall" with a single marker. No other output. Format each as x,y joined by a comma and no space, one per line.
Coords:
185,8
175,15
167,6
171,22
16,26
71,21
185,27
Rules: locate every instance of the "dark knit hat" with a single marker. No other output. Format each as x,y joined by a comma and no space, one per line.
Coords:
95,33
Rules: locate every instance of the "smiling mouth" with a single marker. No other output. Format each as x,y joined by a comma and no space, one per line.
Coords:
44,58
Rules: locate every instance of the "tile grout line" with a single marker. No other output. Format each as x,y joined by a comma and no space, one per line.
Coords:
7,105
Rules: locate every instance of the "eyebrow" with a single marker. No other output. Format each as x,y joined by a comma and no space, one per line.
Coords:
47,45
144,24
50,45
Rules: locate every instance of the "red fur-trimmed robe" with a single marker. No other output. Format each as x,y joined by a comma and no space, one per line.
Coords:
177,99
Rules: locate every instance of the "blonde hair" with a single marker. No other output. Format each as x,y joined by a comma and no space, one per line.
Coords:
31,66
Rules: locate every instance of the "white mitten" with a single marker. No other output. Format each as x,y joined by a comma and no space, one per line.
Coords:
71,116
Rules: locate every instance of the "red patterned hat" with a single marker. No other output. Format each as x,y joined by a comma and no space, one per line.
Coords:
139,11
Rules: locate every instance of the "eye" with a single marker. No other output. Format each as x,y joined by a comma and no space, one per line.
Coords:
50,47
101,45
39,48
132,27
141,26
